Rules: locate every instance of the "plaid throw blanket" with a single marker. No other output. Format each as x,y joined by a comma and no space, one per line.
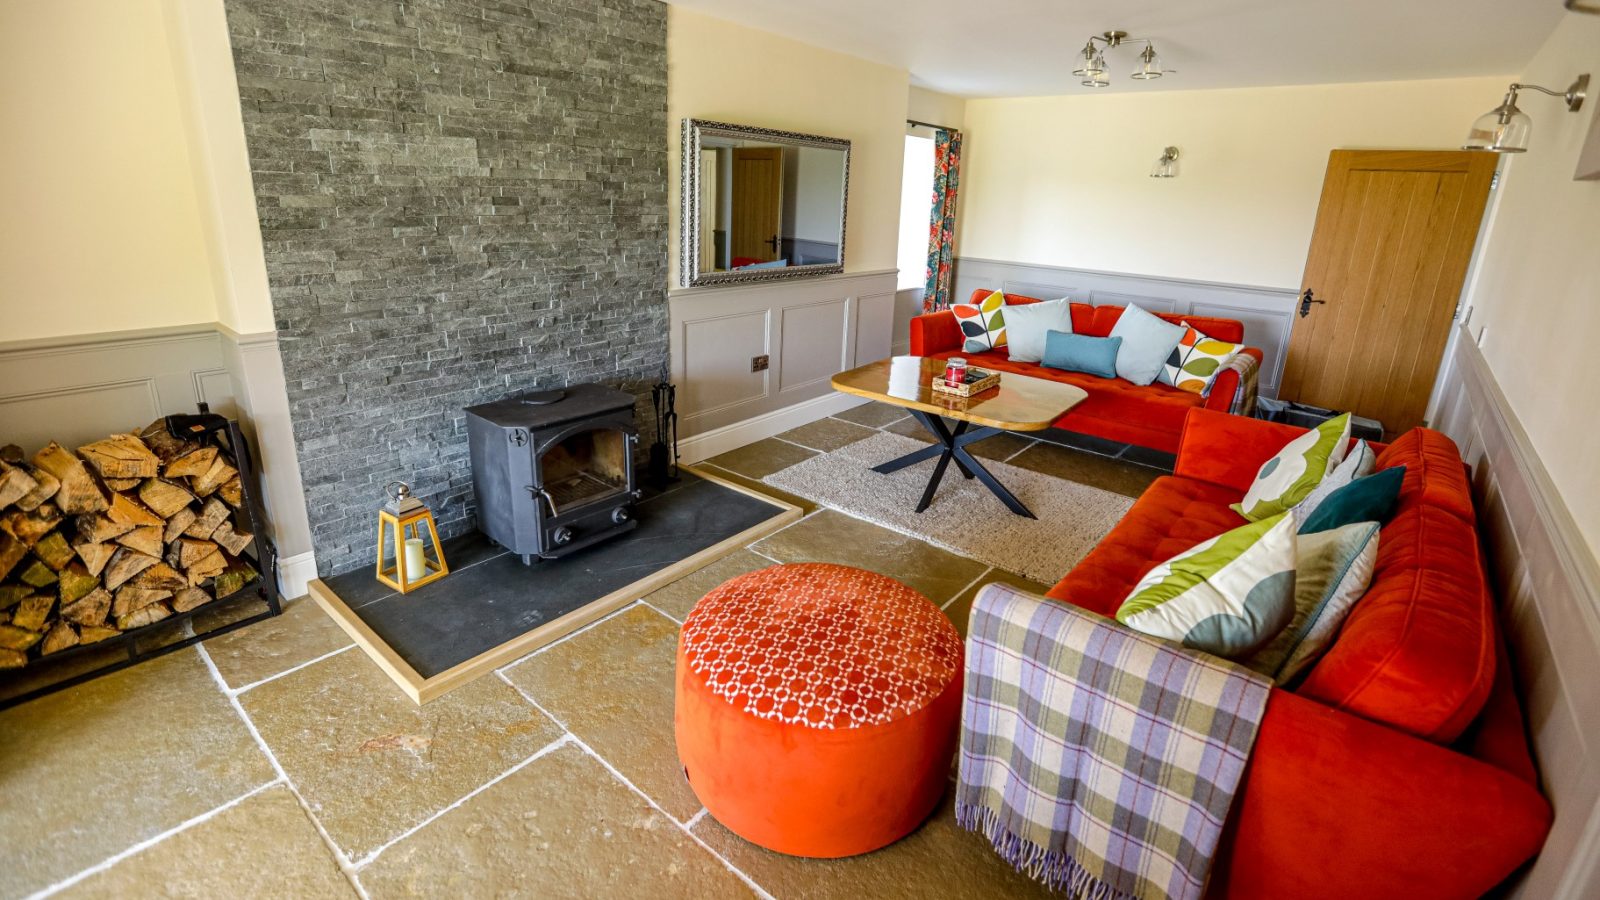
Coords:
1096,759
1244,393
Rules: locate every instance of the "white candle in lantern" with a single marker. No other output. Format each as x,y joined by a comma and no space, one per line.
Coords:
416,568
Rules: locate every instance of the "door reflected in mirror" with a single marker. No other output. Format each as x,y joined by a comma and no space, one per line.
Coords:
761,204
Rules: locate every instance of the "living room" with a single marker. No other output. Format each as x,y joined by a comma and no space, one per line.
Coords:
622,337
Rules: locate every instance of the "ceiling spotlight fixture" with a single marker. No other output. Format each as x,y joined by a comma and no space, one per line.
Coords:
1505,128
1092,61
1167,165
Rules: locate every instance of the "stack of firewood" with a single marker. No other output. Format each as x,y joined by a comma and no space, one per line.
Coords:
121,534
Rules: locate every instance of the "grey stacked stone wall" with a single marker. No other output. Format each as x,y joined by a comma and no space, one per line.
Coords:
460,200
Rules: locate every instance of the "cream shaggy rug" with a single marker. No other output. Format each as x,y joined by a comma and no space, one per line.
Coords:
964,517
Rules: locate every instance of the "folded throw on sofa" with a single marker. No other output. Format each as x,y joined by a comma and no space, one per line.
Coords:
1096,759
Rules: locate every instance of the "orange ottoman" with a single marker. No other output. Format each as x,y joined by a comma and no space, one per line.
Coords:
817,707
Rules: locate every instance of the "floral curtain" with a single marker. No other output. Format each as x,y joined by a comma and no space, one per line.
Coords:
942,221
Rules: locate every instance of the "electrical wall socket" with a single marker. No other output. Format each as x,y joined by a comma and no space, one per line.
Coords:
758,363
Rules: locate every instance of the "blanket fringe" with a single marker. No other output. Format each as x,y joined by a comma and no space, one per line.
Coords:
1052,868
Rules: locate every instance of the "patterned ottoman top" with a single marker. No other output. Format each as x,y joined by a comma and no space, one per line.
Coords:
821,645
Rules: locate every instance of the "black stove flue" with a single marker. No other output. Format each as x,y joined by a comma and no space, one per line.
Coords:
553,470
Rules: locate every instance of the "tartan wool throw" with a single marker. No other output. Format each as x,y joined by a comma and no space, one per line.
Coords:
1095,759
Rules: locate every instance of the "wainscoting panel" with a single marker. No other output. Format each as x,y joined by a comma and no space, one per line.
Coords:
80,389
808,328
1548,586
907,306
1267,313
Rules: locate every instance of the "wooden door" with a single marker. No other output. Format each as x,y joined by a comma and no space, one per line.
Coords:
1394,234
757,203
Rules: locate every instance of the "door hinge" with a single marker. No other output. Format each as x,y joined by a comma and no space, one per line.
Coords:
1494,180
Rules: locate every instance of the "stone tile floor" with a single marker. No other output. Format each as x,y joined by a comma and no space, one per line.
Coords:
277,760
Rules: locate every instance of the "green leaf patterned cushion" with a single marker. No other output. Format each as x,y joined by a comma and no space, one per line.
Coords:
1296,470
1332,571
983,325
1228,596
1197,359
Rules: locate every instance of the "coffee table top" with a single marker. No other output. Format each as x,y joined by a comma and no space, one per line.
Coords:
1020,403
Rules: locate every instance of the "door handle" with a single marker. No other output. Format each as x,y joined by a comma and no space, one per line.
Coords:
1306,300
772,242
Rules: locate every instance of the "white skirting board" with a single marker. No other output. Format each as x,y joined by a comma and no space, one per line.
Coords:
731,437
295,574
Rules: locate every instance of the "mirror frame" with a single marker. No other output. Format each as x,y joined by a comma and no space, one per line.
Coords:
689,274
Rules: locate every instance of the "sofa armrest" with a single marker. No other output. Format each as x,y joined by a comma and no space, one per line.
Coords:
1334,805
1227,449
935,333
1234,389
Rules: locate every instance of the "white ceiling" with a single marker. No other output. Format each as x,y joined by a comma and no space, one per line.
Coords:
1004,48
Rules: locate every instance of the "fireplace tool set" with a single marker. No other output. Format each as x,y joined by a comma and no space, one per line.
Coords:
663,464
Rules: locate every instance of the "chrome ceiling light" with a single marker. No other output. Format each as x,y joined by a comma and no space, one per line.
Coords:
1092,61
1505,128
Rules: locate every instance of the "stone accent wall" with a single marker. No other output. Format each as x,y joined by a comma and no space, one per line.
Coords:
460,200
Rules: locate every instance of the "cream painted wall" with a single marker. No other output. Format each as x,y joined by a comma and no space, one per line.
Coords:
1536,295
100,226
725,72
1065,181
936,108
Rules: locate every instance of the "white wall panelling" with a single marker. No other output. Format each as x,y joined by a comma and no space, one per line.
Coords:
1267,313
808,328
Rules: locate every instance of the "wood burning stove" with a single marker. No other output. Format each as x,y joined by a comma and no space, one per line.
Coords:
553,470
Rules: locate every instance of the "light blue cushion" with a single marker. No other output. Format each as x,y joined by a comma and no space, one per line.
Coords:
1147,341
1028,323
1082,353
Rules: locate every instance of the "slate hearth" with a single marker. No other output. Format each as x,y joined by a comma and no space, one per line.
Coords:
490,597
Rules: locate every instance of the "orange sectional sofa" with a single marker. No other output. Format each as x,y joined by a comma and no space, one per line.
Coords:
1399,766
1116,410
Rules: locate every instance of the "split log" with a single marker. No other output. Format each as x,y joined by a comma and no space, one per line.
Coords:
12,454
98,529
58,639
12,659
161,442
208,566
31,527
238,574
54,550
155,612
180,520
211,515
14,638
11,552
32,612
123,484
132,599
38,574
219,473
90,609
160,577
229,536
232,492
76,582
79,492
189,598
146,539
48,486
128,511
95,555
163,497
121,456
189,551
93,634
196,462
12,594
124,565
15,483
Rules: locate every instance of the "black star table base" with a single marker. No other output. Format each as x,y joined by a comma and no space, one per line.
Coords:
951,446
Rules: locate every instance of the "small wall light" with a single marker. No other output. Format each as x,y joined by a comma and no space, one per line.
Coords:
1505,128
1167,165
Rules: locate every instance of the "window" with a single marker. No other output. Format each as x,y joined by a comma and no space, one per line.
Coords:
916,202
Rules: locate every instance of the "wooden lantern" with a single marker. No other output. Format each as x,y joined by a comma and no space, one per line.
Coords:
403,520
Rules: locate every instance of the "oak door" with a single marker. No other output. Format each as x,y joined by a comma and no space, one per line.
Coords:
1395,231
757,203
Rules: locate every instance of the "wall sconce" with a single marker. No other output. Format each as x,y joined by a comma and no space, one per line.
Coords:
1167,165
1505,128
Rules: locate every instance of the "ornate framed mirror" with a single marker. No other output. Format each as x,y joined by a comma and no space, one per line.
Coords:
760,204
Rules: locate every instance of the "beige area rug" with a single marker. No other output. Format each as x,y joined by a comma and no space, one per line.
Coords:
964,517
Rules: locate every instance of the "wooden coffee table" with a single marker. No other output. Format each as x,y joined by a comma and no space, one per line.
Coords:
1020,403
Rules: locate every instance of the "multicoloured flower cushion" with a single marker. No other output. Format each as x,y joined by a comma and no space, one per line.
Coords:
983,325
1196,360
1296,470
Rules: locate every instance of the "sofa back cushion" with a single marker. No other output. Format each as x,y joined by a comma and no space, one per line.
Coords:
1229,330
1417,651
1082,313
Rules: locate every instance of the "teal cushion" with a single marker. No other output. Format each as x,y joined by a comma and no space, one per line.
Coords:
1369,499
1081,353
1147,342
